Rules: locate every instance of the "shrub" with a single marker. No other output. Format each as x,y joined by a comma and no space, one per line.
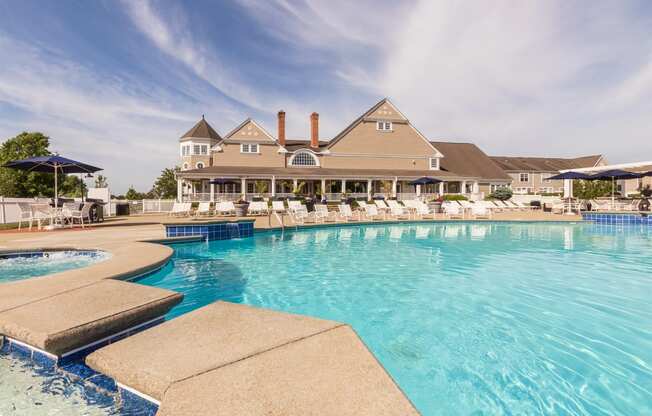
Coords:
501,194
454,197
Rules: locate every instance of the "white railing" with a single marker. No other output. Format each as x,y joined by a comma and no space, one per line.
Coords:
9,211
157,205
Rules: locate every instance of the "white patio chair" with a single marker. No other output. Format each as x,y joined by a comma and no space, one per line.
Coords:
299,214
24,214
83,214
225,208
204,208
258,208
178,209
278,207
346,213
40,213
423,210
381,205
372,212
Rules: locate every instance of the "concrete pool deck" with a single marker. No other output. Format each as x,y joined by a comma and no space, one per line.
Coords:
235,359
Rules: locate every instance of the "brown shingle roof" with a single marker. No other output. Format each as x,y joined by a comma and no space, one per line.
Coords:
297,144
202,130
544,164
466,159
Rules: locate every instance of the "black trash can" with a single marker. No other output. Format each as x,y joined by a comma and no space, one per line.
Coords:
122,208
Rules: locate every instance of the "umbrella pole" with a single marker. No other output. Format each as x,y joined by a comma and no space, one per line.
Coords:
56,190
613,196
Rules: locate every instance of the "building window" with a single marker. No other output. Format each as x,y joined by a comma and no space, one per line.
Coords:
200,165
185,150
249,148
546,190
303,159
495,186
545,176
204,149
185,166
196,149
522,190
434,163
524,177
384,125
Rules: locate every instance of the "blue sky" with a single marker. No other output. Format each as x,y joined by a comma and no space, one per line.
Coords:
115,83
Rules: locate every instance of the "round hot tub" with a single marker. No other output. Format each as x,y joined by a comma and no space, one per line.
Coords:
18,265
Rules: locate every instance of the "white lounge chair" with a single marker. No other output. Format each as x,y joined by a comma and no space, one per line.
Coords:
299,214
204,208
397,210
323,214
423,210
225,208
346,213
480,211
278,207
180,209
381,205
258,208
372,213
453,210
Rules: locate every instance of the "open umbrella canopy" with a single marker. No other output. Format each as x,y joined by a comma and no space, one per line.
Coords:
614,174
570,175
424,181
49,164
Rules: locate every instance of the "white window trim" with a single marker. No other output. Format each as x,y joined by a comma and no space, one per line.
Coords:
200,163
291,161
185,166
383,123
524,173
249,152
437,163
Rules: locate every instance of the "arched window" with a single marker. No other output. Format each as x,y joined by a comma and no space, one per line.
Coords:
185,166
304,159
200,165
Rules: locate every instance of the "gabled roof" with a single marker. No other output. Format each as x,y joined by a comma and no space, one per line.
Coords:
367,115
544,164
202,130
256,125
466,159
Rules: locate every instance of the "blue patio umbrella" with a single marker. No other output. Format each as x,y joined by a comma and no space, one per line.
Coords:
570,175
53,163
425,181
614,174
221,181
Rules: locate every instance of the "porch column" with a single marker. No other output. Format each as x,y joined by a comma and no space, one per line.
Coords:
323,188
394,186
463,187
476,187
418,190
295,184
179,190
369,184
441,188
568,188
273,186
343,186
243,187
212,192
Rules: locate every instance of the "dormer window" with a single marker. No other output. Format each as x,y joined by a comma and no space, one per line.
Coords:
249,148
434,163
384,125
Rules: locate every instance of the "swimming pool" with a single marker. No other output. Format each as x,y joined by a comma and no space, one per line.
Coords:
469,318
23,265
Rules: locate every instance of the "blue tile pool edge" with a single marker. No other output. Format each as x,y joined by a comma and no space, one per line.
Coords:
211,230
125,397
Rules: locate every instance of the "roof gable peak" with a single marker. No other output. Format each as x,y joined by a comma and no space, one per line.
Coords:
202,130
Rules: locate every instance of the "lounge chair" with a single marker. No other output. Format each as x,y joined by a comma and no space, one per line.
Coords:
278,207
347,214
180,209
372,213
453,210
225,208
397,210
258,208
558,207
381,205
323,214
299,214
480,211
204,208
41,212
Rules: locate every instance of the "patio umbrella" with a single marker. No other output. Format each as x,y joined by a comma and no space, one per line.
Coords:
570,175
53,163
424,181
222,181
614,174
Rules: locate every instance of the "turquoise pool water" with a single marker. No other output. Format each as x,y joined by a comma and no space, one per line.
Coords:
18,266
469,319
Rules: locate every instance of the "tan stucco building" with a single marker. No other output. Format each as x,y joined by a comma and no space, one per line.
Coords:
379,153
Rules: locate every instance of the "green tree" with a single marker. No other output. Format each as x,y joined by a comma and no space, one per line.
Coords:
501,194
132,194
19,183
591,189
101,182
72,186
165,185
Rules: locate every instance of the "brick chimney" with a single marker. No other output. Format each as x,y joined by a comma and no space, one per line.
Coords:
314,130
281,128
